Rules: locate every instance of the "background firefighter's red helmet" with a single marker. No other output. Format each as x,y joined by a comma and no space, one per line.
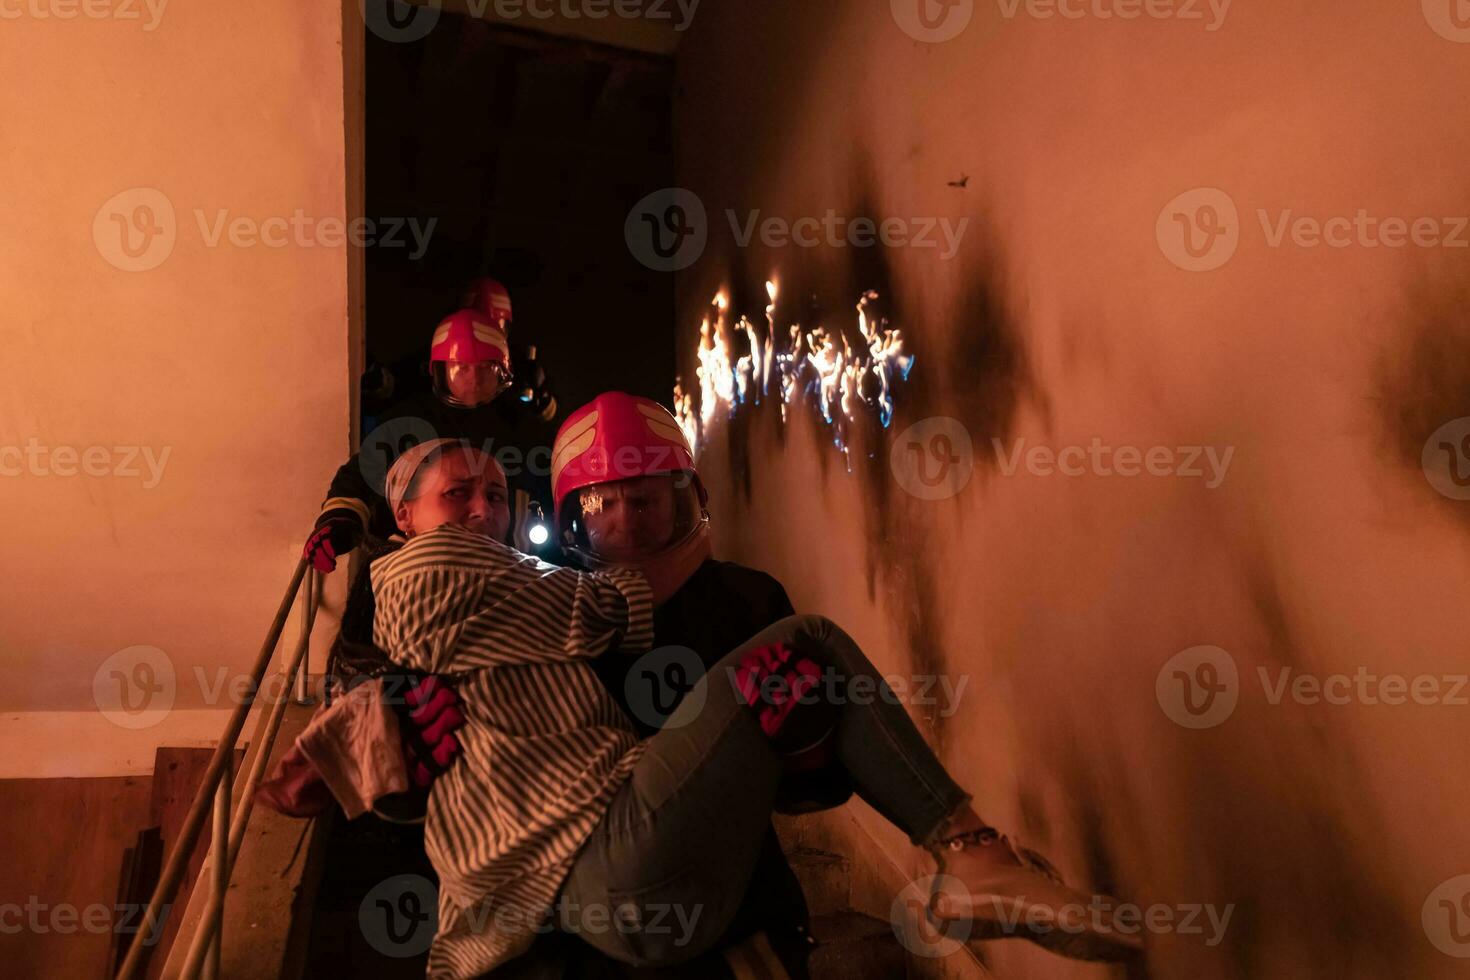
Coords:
601,449
469,359
491,298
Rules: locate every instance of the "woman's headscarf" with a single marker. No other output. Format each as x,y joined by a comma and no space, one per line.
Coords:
401,474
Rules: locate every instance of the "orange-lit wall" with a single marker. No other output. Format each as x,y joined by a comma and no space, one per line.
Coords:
226,364
1059,599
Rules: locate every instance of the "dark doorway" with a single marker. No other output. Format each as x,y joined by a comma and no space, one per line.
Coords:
526,150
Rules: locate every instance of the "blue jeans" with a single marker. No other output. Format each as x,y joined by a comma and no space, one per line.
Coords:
665,871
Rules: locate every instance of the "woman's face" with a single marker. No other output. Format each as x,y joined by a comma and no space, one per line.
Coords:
461,487
629,519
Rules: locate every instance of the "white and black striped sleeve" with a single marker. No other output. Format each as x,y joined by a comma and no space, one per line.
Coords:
454,600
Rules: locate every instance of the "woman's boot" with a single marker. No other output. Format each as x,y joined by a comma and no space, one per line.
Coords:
1008,893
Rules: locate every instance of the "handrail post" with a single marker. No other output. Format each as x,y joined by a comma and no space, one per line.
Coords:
220,865
312,586
223,758
206,944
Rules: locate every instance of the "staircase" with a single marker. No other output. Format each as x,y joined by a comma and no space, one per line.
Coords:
850,902
850,945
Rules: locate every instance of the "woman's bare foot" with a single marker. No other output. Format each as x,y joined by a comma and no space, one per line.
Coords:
1005,893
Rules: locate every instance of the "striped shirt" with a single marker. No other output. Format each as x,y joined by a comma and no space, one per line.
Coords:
545,745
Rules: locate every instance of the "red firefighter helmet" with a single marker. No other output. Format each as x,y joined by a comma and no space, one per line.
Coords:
603,517
492,299
469,359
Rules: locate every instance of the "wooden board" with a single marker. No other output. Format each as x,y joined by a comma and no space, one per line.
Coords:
61,845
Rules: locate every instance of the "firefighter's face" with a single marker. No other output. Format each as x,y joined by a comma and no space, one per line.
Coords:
474,382
462,487
630,519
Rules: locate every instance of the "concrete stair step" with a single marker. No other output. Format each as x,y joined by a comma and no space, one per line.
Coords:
826,879
853,946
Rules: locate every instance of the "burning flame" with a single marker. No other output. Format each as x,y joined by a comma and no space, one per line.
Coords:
841,380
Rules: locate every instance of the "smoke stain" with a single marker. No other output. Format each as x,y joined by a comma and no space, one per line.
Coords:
1425,382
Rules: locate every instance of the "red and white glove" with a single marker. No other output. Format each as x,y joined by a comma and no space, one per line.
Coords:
429,724
782,686
337,532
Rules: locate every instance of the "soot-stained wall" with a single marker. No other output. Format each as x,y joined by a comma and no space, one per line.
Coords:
1286,384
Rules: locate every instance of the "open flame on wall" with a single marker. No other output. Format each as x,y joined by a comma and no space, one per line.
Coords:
841,380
